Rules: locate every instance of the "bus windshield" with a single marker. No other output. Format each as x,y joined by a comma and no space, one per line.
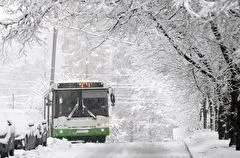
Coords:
81,103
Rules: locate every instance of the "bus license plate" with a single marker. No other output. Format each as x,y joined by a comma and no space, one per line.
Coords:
82,131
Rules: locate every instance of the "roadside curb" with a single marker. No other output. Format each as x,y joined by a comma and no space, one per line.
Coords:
187,149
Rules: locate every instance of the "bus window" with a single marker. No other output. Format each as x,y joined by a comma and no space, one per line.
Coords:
96,101
65,102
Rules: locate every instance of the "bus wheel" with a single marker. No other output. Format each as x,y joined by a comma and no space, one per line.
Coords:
94,140
102,139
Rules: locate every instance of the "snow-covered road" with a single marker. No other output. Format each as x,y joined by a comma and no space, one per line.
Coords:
64,149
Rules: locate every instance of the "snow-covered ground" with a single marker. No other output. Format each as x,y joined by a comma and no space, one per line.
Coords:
205,144
201,144
64,149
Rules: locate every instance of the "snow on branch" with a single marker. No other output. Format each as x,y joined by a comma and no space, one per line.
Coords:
21,19
186,5
206,8
181,53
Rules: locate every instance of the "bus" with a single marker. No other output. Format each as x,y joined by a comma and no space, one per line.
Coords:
78,110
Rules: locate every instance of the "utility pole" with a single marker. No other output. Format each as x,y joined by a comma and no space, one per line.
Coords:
13,101
44,63
86,70
54,47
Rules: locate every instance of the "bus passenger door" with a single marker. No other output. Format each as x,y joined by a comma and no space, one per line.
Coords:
48,111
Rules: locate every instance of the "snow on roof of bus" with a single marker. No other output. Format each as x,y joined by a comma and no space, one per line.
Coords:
76,81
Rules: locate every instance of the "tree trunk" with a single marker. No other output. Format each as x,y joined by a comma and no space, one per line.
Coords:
219,112
238,129
204,113
233,87
238,117
216,118
211,114
221,129
234,132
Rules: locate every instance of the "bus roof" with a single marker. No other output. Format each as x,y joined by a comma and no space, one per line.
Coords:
76,85
80,84
76,80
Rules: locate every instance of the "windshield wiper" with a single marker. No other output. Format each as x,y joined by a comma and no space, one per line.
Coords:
74,109
89,112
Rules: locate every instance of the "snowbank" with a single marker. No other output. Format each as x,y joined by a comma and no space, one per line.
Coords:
63,149
205,144
3,128
5,132
53,145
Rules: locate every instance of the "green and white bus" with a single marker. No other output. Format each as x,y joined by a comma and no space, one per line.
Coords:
78,111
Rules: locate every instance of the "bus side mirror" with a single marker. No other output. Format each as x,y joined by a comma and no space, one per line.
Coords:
112,97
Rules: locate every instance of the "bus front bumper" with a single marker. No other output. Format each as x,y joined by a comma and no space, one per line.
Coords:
77,132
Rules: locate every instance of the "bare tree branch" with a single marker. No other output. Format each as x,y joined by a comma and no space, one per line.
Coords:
179,51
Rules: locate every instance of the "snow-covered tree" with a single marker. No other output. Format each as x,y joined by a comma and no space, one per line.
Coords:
195,44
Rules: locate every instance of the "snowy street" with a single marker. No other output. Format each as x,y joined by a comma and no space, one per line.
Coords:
63,149
121,78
